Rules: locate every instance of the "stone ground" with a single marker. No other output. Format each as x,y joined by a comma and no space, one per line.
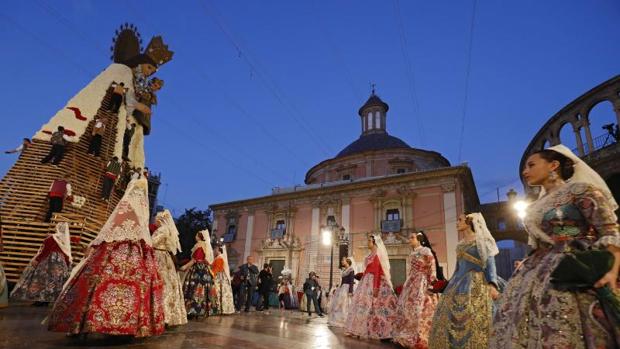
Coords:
20,327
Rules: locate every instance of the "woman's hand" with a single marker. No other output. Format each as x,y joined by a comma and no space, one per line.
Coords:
493,292
610,279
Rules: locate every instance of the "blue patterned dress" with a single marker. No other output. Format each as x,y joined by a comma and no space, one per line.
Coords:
463,317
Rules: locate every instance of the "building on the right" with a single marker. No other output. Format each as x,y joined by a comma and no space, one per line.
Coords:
589,126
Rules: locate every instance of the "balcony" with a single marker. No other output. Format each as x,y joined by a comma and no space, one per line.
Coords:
277,233
600,142
391,226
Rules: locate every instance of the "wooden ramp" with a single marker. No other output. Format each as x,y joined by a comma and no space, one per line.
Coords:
23,197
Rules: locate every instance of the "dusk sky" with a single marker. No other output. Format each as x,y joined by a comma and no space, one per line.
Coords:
260,91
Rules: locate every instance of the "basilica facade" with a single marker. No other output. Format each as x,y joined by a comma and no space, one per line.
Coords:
377,184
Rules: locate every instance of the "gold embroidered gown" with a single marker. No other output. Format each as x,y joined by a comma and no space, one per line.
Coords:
463,317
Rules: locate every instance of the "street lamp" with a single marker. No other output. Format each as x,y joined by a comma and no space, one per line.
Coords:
520,206
327,238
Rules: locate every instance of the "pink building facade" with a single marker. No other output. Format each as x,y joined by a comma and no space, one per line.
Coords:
377,184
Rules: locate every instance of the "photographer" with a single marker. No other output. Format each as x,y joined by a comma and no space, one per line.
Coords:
611,131
249,280
311,289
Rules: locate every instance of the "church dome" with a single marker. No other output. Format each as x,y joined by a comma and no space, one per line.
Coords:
375,152
373,141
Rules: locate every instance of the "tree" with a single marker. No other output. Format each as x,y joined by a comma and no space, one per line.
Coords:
189,223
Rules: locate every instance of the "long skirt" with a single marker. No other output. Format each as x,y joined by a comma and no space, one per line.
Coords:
369,316
339,305
115,291
198,290
4,290
42,280
174,304
225,301
416,306
463,316
532,314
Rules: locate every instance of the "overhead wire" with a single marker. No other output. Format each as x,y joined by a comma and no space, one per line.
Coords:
467,77
335,51
409,71
84,71
264,78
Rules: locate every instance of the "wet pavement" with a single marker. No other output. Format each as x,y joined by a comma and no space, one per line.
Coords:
20,327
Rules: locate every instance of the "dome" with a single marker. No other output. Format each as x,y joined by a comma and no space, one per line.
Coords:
373,141
373,101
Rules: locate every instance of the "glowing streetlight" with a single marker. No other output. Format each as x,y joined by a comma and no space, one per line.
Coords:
521,207
326,236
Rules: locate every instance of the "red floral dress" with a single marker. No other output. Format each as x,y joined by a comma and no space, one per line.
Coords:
416,304
369,316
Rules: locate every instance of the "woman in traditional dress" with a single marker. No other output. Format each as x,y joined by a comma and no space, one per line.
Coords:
416,303
464,315
47,272
222,281
166,244
115,289
4,289
198,287
340,301
575,212
373,307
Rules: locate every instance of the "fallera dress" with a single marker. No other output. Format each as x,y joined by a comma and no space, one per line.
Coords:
532,314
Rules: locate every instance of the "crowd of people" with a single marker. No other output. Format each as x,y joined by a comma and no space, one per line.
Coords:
564,294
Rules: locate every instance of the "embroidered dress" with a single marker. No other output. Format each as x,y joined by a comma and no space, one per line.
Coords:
340,301
225,301
198,287
43,278
463,316
532,314
416,305
369,316
165,242
4,290
116,289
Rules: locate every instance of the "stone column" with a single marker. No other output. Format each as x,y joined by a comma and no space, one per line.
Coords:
315,236
586,127
450,217
579,140
248,237
615,100
346,217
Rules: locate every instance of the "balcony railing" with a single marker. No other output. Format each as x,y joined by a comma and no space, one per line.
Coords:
391,226
277,233
599,142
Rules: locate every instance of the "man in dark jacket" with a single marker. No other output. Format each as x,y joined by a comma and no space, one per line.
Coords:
249,276
265,280
311,289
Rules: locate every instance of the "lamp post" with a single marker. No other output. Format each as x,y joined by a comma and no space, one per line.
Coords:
520,206
328,236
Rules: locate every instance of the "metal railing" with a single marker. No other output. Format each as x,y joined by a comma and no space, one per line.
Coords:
278,233
391,226
599,143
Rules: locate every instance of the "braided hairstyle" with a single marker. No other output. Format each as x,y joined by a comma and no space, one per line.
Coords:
565,170
426,243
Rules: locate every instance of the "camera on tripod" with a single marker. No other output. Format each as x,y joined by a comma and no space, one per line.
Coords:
611,131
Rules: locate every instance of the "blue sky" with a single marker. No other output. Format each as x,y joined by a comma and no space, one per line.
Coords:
260,91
